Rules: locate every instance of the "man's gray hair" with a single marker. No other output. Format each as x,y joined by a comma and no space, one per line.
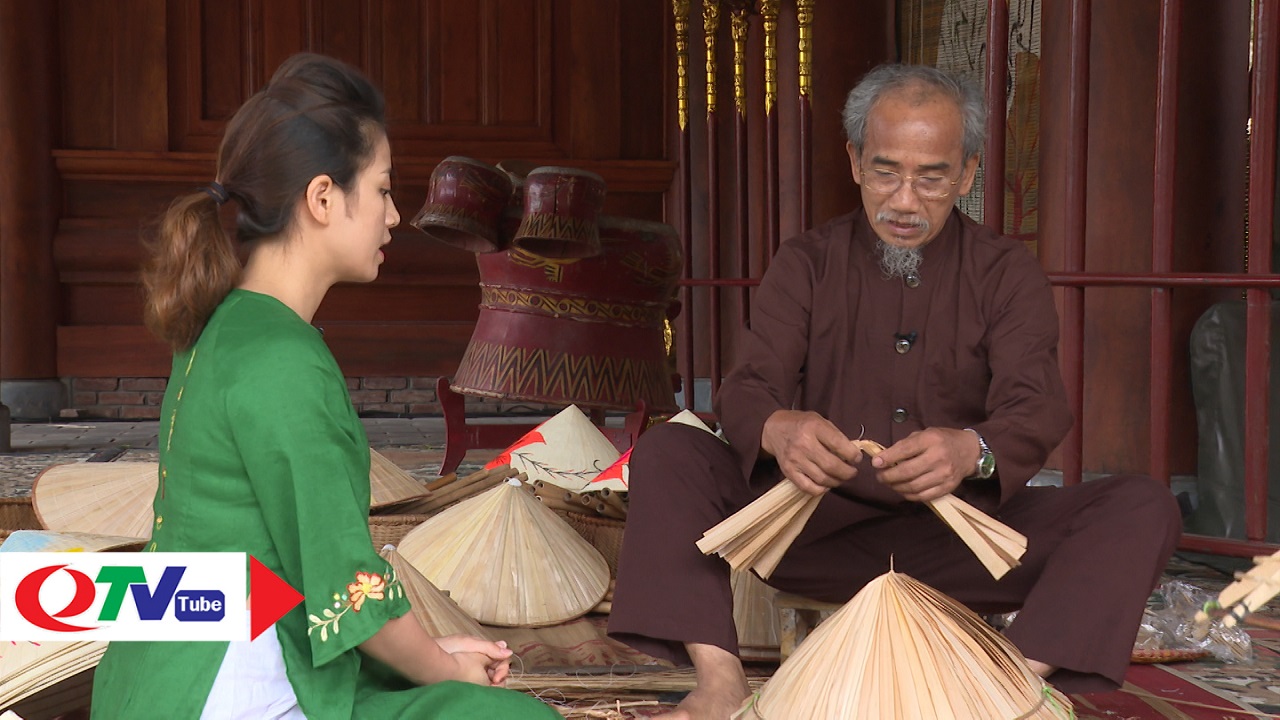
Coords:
889,78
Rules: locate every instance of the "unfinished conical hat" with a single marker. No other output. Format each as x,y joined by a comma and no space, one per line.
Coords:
109,498
388,484
27,668
438,614
506,559
50,541
900,649
567,450
754,612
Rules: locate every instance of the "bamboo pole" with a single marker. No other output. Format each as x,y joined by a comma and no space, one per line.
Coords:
739,24
804,21
769,17
710,30
680,9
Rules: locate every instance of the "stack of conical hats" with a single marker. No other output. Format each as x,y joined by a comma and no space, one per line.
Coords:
100,498
50,541
438,614
567,450
508,560
900,649
28,668
389,485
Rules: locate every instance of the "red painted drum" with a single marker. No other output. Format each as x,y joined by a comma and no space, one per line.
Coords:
561,206
465,204
584,331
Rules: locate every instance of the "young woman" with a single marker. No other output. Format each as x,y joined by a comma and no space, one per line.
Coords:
260,448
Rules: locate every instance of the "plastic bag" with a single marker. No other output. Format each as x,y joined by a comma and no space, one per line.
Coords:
1169,623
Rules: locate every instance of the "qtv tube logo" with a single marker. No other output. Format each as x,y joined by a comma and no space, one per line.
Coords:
125,596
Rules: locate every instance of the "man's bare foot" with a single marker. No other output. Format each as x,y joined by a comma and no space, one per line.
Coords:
722,686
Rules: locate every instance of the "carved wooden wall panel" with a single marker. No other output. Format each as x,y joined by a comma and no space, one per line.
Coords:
148,85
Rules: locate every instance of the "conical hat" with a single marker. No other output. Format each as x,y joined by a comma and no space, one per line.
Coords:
438,614
508,560
27,668
388,484
754,613
111,498
690,418
566,450
900,649
49,541
616,477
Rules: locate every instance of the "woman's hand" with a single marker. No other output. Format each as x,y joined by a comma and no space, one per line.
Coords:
494,658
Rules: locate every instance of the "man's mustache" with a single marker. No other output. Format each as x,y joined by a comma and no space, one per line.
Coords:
914,220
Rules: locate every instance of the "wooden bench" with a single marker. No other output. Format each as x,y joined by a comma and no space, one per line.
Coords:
797,617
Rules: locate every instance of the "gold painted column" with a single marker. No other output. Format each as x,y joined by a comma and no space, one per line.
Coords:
29,383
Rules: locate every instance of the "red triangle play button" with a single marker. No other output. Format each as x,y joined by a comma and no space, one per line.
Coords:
269,598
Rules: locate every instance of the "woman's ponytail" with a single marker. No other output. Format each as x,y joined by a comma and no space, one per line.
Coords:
192,268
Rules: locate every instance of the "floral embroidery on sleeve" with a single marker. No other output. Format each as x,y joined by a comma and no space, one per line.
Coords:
367,586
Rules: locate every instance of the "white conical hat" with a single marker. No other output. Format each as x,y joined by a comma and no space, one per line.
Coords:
110,498
388,484
50,541
567,450
438,614
754,613
27,668
615,478
690,418
900,649
508,560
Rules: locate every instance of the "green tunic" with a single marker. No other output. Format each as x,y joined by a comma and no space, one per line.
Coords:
262,452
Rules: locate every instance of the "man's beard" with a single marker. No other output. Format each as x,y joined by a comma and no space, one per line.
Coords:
898,261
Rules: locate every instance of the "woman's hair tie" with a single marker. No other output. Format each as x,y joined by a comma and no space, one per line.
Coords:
217,192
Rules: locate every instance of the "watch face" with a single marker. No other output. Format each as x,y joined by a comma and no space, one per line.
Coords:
987,465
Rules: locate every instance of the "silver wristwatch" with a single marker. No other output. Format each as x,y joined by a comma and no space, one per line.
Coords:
986,460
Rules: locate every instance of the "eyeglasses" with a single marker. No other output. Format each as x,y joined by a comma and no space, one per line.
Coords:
888,182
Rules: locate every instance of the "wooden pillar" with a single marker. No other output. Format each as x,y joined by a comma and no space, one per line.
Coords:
29,121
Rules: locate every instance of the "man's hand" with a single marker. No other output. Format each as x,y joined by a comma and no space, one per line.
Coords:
928,464
810,450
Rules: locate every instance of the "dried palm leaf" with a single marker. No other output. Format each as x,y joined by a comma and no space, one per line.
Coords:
758,535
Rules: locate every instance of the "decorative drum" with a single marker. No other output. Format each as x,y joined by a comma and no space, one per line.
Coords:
588,331
465,204
561,206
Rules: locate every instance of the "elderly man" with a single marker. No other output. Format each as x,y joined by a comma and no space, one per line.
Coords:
909,324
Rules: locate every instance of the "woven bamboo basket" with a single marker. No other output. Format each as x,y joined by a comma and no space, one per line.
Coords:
389,529
604,534
17,513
